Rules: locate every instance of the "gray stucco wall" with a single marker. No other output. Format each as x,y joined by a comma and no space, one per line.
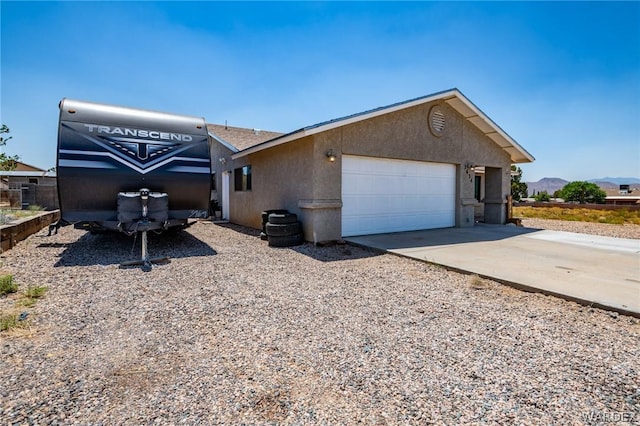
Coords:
298,176
280,178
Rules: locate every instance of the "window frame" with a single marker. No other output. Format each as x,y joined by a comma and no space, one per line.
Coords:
242,178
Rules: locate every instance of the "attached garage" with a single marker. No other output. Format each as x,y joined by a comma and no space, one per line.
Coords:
381,195
436,161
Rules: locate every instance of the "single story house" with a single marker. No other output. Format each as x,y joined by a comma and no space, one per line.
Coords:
432,162
28,185
623,200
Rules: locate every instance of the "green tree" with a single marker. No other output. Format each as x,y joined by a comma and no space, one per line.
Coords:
583,192
7,162
542,196
519,189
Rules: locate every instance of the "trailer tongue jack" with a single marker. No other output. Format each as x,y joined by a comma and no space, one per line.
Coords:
143,211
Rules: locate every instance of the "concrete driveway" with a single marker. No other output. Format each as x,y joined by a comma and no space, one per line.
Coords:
602,271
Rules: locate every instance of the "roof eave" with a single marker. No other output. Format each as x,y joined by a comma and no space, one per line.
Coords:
332,124
223,142
453,97
270,144
471,112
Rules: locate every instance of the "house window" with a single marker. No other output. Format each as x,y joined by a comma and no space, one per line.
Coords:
242,178
33,180
478,188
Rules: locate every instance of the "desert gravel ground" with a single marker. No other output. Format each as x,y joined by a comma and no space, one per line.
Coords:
602,229
234,332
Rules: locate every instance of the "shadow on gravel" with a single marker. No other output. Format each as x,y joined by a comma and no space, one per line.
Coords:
239,228
114,248
322,253
334,252
440,237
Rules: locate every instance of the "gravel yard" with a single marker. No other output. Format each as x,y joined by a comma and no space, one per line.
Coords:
602,229
234,332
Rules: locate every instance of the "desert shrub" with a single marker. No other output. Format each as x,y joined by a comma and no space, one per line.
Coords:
542,196
8,321
31,295
7,285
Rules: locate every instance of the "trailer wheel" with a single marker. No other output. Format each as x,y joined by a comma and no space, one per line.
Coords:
282,218
287,241
283,230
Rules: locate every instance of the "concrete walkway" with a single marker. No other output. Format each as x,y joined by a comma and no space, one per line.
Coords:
602,271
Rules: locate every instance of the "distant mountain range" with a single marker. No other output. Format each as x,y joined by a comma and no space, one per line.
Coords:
551,185
617,180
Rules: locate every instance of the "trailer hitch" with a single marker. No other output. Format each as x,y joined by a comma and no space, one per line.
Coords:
146,262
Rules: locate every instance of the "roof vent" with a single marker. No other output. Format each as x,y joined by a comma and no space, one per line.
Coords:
436,120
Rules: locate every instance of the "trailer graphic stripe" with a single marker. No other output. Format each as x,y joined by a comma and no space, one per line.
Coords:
85,164
120,160
189,169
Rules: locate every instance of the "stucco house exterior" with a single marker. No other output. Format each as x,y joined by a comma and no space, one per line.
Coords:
432,162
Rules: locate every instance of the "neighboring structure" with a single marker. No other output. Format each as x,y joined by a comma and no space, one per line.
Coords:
626,196
625,189
623,200
28,185
24,167
406,166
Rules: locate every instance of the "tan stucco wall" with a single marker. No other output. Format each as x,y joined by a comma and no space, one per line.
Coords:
280,178
298,176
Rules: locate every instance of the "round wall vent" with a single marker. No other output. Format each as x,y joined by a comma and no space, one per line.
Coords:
436,120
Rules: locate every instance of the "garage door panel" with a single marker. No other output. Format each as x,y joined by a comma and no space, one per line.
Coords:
383,195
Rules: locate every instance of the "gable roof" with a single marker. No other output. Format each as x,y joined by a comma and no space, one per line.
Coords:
24,167
453,97
238,138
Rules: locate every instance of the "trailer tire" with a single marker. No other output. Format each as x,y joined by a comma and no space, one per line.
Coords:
286,241
265,216
282,218
283,230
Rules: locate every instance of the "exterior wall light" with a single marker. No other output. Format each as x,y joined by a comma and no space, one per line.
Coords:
469,168
331,156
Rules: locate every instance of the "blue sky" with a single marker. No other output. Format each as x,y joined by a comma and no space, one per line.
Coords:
562,79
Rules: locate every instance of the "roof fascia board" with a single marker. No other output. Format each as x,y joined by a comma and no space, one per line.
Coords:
332,124
526,157
453,97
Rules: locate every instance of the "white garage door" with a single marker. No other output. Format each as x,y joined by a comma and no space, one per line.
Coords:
381,195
